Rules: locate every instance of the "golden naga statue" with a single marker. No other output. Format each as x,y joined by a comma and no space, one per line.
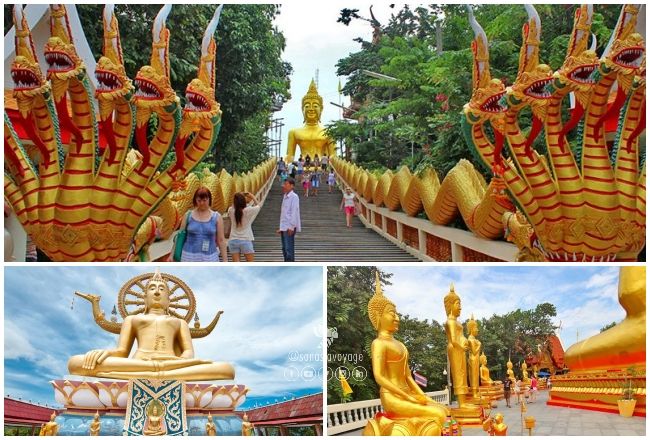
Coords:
51,428
409,411
95,425
510,372
247,428
311,138
164,338
474,356
77,202
624,344
210,427
485,371
155,422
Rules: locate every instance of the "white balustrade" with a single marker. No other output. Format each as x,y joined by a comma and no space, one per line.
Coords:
351,416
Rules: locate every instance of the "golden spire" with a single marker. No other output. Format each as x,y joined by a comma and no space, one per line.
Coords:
377,303
157,276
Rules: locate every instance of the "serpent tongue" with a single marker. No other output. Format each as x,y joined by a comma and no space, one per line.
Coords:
638,130
179,147
576,115
497,160
143,144
67,123
106,127
534,132
612,110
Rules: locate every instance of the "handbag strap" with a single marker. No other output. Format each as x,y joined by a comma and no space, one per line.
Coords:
187,218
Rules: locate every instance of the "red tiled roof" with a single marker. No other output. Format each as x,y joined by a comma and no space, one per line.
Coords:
299,408
19,411
554,347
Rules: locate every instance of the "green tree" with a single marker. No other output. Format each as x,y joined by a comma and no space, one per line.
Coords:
608,326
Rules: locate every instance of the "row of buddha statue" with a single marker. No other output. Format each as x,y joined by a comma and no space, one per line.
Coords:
407,409
154,425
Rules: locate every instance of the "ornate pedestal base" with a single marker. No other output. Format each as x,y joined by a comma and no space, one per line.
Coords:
381,425
597,391
155,408
492,393
468,416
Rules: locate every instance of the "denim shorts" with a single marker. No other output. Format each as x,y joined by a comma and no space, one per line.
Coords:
241,247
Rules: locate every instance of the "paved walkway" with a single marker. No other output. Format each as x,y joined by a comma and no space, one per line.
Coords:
557,421
324,236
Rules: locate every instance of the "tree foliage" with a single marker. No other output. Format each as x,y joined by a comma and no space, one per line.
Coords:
251,75
515,334
416,119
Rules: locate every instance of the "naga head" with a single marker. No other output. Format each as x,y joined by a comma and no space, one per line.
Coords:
533,78
154,90
485,102
60,53
25,72
201,104
626,50
112,82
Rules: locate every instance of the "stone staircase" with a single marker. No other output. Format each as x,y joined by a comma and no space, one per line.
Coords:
324,236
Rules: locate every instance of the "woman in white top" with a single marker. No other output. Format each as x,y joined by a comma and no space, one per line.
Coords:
348,202
241,219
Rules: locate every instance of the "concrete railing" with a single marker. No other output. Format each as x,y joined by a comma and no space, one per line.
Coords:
430,242
351,416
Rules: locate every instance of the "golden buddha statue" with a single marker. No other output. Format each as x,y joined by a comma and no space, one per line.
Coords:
155,423
165,349
51,428
524,372
624,344
210,427
247,428
509,371
311,137
500,428
457,345
411,412
474,356
485,372
95,426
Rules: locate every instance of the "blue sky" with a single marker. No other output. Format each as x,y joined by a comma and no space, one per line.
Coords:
316,41
586,297
269,314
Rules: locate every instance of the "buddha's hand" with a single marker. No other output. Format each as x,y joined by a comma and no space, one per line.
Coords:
94,357
424,400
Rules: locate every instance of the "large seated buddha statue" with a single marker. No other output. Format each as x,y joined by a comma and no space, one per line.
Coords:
624,344
408,411
164,344
311,137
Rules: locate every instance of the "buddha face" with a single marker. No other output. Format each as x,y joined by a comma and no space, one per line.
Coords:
154,411
156,295
389,319
471,328
455,308
311,110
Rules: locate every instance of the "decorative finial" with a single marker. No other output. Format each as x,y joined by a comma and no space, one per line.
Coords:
157,276
114,314
197,323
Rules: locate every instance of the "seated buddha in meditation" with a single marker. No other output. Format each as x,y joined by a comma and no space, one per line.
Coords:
485,372
400,396
164,346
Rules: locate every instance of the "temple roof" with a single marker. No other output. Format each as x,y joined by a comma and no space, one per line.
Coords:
298,410
18,411
553,348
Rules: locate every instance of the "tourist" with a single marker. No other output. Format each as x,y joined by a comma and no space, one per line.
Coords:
301,168
331,181
548,383
323,162
307,161
205,239
316,161
282,168
306,184
533,389
507,383
348,202
241,220
518,391
289,219
292,170
315,181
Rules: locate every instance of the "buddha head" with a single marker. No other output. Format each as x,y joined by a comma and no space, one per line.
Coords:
498,418
245,417
452,303
381,311
483,359
96,416
156,293
509,364
312,105
209,418
632,290
472,326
